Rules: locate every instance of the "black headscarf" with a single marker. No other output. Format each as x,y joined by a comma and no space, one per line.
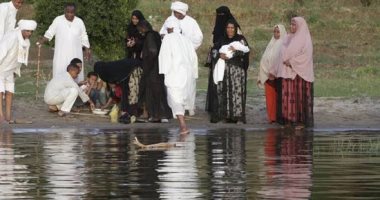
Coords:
131,28
223,14
116,71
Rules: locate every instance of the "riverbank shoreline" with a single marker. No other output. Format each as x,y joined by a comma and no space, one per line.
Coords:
329,114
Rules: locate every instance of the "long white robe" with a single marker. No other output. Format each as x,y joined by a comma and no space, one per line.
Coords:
69,39
7,18
189,28
9,65
178,61
62,91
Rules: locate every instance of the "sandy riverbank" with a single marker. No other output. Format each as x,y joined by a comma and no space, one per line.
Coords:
330,113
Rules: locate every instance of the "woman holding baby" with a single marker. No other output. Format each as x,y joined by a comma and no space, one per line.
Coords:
230,76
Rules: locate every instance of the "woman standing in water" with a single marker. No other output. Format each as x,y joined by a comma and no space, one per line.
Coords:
296,69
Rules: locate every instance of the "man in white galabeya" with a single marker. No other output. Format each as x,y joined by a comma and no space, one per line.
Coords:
178,61
190,29
14,51
8,12
70,36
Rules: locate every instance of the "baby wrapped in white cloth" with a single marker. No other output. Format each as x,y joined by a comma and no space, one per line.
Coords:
220,66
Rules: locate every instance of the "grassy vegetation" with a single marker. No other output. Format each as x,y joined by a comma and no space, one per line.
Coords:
345,35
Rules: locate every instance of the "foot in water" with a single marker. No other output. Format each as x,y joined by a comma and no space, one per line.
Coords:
299,127
184,131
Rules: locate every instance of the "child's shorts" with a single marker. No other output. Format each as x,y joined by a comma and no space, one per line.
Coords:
7,83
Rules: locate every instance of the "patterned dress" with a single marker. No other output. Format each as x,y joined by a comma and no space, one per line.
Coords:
231,94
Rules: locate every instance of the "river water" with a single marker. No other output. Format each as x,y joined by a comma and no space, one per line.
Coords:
206,164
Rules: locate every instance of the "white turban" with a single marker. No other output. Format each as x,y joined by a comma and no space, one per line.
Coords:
173,22
179,7
29,25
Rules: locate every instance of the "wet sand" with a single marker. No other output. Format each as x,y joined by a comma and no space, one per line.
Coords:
329,113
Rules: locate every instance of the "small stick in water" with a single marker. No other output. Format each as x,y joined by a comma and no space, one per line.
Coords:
152,146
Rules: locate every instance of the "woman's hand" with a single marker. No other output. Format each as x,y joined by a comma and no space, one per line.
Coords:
131,42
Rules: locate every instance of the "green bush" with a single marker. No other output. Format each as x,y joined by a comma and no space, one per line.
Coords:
105,22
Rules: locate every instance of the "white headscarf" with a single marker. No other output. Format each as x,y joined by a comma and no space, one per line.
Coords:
269,60
24,44
179,7
29,25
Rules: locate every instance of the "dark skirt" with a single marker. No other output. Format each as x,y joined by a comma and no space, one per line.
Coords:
231,92
297,101
130,92
154,97
212,93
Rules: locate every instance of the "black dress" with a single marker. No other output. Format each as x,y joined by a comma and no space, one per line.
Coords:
226,101
133,33
153,91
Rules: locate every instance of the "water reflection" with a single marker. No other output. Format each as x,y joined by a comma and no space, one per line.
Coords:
178,173
64,165
227,163
287,169
217,164
14,177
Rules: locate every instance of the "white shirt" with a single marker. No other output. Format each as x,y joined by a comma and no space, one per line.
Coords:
60,83
70,37
7,18
9,47
189,28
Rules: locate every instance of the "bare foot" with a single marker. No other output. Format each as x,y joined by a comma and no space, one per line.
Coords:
53,109
299,127
184,131
62,113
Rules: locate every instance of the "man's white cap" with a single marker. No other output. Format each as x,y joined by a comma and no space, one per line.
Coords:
179,7
29,25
